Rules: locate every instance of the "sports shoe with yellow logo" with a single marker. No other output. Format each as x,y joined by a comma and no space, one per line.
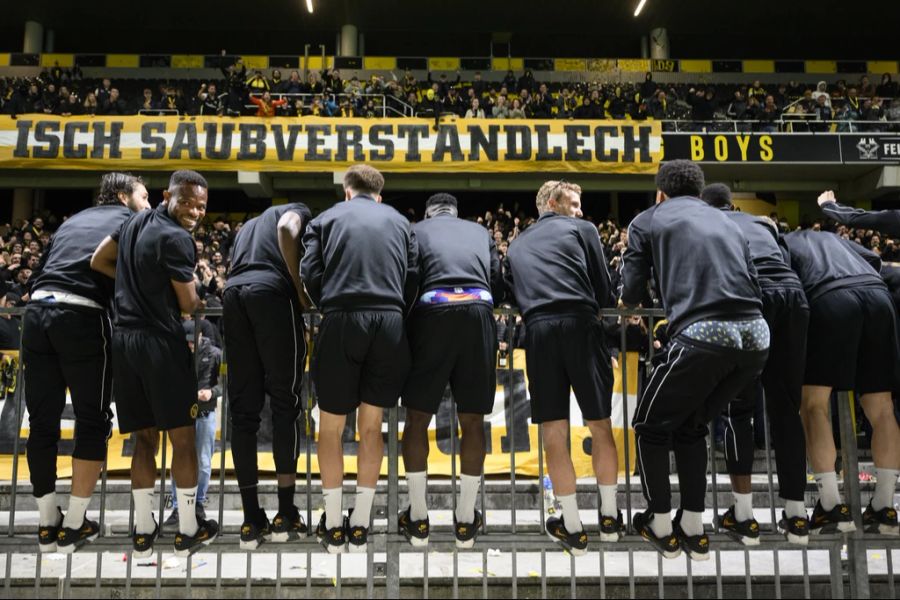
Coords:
836,520
696,546
185,545
142,543
416,532
47,535
882,521
254,533
334,540
745,532
611,528
467,532
668,545
357,537
287,527
70,540
795,529
576,543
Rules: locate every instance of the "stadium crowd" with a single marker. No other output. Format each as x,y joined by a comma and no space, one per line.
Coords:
765,107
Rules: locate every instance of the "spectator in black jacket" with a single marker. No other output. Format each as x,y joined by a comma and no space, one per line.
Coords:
211,103
703,104
113,105
649,87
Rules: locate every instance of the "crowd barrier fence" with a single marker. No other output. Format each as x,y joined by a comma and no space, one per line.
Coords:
513,556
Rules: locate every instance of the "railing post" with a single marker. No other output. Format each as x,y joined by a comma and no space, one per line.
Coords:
857,560
392,548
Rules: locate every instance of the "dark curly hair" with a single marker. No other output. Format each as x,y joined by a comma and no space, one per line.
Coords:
186,177
680,178
717,195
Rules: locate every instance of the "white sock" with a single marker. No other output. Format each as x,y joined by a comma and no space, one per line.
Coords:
743,506
661,525
829,495
75,515
334,510
362,509
418,504
47,507
143,510
795,509
571,516
885,484
692,522
468,493
187,511
608,505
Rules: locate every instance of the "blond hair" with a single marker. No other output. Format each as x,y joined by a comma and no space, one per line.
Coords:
553,190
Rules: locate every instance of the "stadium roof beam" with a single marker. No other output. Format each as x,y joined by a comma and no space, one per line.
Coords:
255,184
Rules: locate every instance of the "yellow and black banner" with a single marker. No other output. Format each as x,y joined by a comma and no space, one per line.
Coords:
511,413
323,145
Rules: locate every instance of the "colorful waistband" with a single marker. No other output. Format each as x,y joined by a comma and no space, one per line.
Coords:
455,295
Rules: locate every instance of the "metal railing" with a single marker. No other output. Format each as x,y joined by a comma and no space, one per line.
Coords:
785,124
514,554
384,103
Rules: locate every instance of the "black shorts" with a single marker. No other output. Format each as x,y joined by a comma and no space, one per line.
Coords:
852,342
455,344
68,347
568,352
360,357
155,381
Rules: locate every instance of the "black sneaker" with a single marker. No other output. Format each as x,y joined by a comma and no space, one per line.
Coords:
357,537
47,535
696,546
171,524
467,532
255,533
416,532
335,539
836,520
668,546
745,532
611,528
795,529
576,543
185,545
883,521
70,540
287,527
201,512
142,543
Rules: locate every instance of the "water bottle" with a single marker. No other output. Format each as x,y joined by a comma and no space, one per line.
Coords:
550,502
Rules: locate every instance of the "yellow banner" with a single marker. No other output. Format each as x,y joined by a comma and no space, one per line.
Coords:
511,412
312,144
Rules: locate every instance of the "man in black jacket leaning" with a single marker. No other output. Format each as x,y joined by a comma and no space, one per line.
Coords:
719,344
66,344
452,337
263,306
360,268
787,314
886,222
558,276
852,345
